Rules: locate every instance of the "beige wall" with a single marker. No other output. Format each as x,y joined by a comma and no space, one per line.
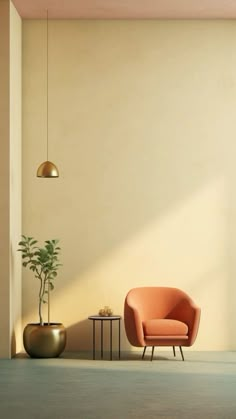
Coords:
15,177
142,128
4,180
10,179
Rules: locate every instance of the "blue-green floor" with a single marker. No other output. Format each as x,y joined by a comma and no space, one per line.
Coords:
76,387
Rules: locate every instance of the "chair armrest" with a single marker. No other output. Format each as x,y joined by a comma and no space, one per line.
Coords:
188,312
133,325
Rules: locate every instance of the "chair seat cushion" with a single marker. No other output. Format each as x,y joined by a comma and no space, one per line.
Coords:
164,327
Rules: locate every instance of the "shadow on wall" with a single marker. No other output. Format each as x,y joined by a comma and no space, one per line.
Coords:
80,337
13,344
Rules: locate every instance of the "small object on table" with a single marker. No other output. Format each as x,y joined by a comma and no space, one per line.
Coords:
102,319
106,311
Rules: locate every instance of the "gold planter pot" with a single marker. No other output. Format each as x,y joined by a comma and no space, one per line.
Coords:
47,341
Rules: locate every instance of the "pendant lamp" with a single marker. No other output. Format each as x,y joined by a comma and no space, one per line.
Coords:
47,169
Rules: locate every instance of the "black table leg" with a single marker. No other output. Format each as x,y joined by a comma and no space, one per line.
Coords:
119,338
111,340
94,325
101,339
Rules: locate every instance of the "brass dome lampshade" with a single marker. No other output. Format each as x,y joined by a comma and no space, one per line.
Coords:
47,169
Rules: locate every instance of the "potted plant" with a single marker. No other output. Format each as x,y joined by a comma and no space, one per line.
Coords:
43,339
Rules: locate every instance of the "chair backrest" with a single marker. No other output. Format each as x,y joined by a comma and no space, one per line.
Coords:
155,302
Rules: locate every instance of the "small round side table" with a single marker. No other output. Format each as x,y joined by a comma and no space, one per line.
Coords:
102,319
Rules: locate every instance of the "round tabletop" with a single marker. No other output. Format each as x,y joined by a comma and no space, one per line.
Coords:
97,317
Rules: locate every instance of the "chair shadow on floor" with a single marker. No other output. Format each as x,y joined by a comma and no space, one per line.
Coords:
125,356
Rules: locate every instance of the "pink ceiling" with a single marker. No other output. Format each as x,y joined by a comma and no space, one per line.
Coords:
127,9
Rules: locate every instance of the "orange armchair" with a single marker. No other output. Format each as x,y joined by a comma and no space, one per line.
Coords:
160,316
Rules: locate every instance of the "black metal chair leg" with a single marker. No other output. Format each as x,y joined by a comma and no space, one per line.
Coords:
181,353
144,350
174,351
152,352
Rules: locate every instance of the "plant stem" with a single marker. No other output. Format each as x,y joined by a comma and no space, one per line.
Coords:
40,302
40,294
48,302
